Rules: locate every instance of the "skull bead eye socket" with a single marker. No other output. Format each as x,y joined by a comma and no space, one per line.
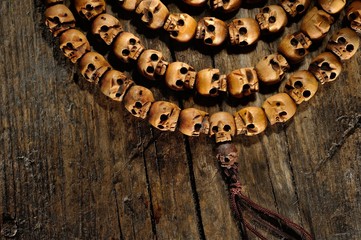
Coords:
208,41
154,57
138,105
215,129
104,29
174,34
251,126
179,83
125,52
215,77
294,42
89,7
91,67
325,66
300,8
120,82
352,16
272,19
56,20
180,22
265,10
213,91
150,69
70,45
283,113
350,48
298,84
243,43
333,75
246,87
242,31
306,94
149,15
275,65
211,28
227,128
341,40
132,41
183,70
163,117
301,52
197,127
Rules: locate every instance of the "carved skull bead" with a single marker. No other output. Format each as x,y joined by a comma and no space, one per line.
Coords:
127,47
115,84
154,13
209,82
242,82
89,9
272,19
354,15
106,27
226,6
244,31
74,44
193,121
344,43
93,66
279,108
227,154
294,47
250,121
325,67
181,27
271,69
180,76
316,24
129,5
138,100
301,86
212,31
196,3
59,18
332,6
164,115
222,126
151,64
295,7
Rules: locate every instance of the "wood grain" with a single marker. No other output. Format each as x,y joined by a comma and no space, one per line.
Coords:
74,165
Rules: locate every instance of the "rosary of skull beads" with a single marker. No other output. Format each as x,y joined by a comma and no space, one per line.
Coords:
301,86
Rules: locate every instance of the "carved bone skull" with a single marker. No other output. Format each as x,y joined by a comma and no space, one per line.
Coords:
295,7
222,126
301,86
74,44
279,108
332,6
193,121
325,67
344,43
115,84
154,13
164,115
242,82
354,15
316,24
226,6
212,31
93,66
106,27
295,47
244,31
227,154
59,18
209,82
89,9
151,64
250,121
138,100
180,76
181,27
272,19
127,47
272,68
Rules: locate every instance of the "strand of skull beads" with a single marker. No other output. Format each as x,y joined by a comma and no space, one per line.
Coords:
249,121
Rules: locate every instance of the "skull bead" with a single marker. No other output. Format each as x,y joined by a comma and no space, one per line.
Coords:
301,86
242,82
180,76
344,43
106,27
332,6
243,31
89,9
354,15
127,47
74,44
227,155
154,13
226,6
209,82
129,5
59,18
279,108
272,19
212,31
151,64
181,27
295,7
222,126
93,66
138,100
250,121
193,121
115,84
316,24
164,115
271,69
325,67
295,47
196,3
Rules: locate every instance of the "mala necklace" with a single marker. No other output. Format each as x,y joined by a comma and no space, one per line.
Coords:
249,121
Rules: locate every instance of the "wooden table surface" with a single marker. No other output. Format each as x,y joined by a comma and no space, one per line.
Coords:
75,165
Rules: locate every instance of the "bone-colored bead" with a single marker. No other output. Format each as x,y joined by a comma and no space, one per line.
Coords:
212,31
354,15
196,3
193,121
181,27
250,121
295,47
222,126
127,47
59,18
332,6
93,66
153,13
271,69
279,108
164,115
89,9
106,27
115,84
295,7
74,44
242,82
316,24
138,100
301,86
180,76
209,82
272,19
226,6
344,43
151,64
129,5
244,31
325,67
